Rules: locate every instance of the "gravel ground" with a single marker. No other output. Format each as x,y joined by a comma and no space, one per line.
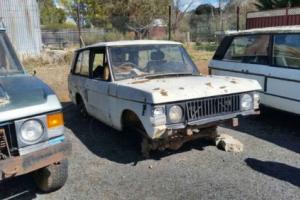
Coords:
105,164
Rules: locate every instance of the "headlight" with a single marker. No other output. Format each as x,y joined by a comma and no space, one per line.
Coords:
246,102
175,114
158,115
31,131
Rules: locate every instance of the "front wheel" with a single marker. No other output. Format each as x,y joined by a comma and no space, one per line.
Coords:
53,177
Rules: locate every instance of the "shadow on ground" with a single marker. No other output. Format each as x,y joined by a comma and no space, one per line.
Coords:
280,128
21,188
120,147
276,170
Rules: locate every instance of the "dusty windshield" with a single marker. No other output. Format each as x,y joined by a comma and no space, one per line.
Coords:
9,63
150,60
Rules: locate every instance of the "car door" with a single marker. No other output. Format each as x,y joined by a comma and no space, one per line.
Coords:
283,82
98,85
79,75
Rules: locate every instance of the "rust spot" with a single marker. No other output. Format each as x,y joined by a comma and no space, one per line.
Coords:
164,92
156,89
209,84
181,88
233,81
141,81
222,87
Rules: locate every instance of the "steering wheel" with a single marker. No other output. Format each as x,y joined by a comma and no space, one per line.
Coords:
128,64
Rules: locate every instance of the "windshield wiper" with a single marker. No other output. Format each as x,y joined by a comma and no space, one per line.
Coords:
170,75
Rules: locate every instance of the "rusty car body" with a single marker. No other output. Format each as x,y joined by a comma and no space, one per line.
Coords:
155,88
31,125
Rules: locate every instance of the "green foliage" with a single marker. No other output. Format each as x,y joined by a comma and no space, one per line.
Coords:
50,14
273,4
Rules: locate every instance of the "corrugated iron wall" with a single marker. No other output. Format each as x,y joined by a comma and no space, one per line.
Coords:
270,18
22,21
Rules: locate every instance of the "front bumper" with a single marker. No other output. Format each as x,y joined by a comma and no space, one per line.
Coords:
169,130
19,165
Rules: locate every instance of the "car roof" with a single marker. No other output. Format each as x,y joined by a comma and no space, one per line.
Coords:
279,29
131,42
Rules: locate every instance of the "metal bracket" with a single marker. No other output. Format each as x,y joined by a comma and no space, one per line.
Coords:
4,148
2,25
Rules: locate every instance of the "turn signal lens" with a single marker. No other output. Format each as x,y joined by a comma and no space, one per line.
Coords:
55,120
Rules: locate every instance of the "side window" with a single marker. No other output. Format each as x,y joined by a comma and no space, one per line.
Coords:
286,50
82,64
100,68
249,49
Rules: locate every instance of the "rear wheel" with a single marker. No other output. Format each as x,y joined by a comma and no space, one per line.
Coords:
53,177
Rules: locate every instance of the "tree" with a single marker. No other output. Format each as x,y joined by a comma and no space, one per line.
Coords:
92,12
178,13
50,14
137,15
272,4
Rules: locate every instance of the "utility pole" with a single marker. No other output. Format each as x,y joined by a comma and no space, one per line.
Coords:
170,22
79,22
238,18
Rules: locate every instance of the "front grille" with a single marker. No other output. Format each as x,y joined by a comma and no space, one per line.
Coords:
8,141
214,106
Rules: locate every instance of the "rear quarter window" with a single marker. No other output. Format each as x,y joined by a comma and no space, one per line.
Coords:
248,49
286,50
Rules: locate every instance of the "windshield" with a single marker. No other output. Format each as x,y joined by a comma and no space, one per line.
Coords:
150,60
9,63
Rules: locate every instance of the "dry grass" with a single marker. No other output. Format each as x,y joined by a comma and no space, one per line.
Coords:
53,68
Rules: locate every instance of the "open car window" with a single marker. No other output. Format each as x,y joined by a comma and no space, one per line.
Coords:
9,63
141,60
249,49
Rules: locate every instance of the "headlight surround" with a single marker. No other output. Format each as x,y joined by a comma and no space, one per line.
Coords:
256,99
158,115
31,131
175,114
246,102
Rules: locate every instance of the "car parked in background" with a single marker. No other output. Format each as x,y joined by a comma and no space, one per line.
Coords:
31,125
155,88
269,55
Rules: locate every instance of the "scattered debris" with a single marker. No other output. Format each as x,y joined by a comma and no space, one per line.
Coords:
209,84
150,167
164,92
228,143
141,81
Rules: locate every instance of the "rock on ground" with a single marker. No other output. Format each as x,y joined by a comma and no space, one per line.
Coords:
228,143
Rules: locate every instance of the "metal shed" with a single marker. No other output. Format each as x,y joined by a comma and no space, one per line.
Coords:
22,21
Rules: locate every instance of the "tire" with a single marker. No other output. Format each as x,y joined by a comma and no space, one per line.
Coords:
53,177
82,109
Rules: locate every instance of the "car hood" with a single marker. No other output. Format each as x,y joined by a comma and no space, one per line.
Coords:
171,89
25,95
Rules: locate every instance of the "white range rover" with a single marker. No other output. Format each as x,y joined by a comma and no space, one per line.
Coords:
155,88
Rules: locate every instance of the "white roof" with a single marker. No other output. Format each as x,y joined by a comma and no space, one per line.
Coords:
132,42
279,29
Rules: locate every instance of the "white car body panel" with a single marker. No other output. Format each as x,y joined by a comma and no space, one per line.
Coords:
107,100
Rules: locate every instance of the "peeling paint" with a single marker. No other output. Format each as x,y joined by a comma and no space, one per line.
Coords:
209,84
164,92
141,81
